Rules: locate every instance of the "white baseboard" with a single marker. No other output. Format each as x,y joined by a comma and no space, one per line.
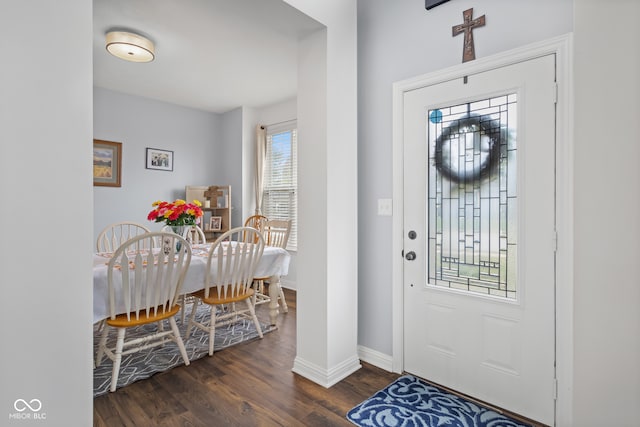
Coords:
325,377
288,284
381,360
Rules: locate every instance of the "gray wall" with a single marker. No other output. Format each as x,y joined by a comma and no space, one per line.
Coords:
228,168
398,40
138,123
46,190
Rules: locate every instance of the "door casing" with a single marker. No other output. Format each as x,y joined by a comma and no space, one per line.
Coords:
562,48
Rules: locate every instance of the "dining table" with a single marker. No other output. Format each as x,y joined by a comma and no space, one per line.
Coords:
274,263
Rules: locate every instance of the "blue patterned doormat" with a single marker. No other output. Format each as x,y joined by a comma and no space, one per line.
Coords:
411,402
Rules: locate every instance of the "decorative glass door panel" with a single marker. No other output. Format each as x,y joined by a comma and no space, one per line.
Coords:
472,196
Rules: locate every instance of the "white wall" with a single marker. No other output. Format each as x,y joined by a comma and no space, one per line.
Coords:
398,40
47,211
607,214
140,123
276,113
327,258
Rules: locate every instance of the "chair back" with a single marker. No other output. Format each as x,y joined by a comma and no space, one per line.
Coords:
147,280
114,235
276,232
195,235
233,259
255,221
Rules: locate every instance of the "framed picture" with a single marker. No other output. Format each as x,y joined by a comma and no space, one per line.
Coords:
159,159
430,4
107,163
215,223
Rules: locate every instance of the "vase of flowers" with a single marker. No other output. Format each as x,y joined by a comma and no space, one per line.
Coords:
178,215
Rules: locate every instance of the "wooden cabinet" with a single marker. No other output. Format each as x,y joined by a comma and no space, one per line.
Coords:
216,205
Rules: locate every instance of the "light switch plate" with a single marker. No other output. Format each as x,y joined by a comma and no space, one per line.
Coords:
385,207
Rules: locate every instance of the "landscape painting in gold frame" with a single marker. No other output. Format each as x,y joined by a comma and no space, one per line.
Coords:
107,163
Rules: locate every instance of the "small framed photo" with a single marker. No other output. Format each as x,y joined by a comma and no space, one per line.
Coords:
159,159
215,223
107,163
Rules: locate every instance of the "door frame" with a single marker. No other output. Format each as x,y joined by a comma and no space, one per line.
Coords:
562,47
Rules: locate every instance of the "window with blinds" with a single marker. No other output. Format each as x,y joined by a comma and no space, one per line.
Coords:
280,195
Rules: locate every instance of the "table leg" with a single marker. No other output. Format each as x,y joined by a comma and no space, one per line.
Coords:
274,290
283,302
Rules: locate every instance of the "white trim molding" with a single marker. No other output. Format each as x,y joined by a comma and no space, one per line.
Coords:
324,377
375,358
562,47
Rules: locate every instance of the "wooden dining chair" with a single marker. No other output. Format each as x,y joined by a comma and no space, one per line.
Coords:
194,235
276,233
255,221
232,261
144,286
114,235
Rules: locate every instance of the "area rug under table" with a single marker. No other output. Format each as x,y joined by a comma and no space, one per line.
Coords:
411,402
144,364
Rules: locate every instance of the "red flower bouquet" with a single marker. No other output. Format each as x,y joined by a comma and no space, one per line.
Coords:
176,213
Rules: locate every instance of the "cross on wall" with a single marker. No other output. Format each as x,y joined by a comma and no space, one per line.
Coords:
468,50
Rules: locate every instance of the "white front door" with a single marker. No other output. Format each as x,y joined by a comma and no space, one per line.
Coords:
479,239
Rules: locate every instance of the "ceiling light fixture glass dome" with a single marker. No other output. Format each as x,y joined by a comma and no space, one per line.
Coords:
130,47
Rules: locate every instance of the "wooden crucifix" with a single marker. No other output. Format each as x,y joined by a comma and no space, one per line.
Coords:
469,50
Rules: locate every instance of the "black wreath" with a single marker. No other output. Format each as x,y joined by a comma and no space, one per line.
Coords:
474,122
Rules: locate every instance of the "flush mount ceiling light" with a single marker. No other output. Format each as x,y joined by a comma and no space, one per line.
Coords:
129,46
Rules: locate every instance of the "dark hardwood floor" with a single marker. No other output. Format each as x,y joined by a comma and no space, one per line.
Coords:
250,384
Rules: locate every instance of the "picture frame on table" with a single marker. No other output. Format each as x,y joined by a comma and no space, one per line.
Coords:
107,163
159,159
215,223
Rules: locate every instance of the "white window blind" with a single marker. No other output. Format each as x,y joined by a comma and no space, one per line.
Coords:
280,195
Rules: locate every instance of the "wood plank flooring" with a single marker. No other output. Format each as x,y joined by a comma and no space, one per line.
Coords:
250,384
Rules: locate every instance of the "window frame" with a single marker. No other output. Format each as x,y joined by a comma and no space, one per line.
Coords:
271,186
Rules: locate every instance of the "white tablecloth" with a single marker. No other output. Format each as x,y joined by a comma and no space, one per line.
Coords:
274,262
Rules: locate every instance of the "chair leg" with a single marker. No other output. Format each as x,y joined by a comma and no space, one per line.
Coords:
256,285
161,329
176,333
212,329
252,310
183,306
102,345
184,300
191,317
118,359
285,309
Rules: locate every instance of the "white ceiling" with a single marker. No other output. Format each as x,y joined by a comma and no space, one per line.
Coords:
213,55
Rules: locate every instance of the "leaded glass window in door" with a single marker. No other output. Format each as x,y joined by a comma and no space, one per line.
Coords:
472,196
